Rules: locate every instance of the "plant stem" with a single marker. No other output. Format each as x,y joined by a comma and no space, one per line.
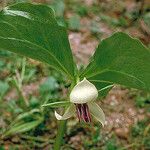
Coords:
60,134
62,126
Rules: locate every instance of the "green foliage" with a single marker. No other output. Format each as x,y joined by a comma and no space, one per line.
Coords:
74,23
4,53
82,10
95,29
24,122
111,145
32,31
142,101
146,18
13,107
22,127
118,59
109,20
3,88
120,21
146,142
138,129
122,60
49,85
49,90
59,7
140,134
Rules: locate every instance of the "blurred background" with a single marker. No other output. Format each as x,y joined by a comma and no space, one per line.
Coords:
26,84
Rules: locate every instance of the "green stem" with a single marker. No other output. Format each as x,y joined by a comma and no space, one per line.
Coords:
60,134
62,126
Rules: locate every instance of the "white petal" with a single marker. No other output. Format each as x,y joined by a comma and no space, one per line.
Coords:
68,113
97,112
83,92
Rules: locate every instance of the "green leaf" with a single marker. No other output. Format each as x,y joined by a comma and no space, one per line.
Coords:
120,59
32,30
104,88
57,104
22,127
25,115
23,122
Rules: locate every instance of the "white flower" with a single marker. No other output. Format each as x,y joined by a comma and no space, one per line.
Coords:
82,99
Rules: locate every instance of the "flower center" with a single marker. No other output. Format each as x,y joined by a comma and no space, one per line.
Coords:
83,112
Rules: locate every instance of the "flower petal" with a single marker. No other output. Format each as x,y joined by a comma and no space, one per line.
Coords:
83,92
97,112
68,113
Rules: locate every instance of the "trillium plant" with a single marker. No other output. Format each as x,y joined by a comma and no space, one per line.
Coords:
31,30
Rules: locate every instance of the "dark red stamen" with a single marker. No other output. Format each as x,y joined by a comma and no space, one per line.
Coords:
83,112
78,109
88,114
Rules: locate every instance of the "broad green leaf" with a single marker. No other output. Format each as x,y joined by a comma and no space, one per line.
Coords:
57,104
32,30
120,59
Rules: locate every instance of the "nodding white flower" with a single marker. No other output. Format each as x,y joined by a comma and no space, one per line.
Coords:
82,99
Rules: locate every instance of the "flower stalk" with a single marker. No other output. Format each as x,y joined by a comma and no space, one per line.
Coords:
62,124
60,133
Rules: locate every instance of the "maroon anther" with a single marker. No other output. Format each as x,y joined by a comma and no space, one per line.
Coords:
83,112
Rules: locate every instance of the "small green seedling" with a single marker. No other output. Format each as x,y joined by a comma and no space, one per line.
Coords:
32,31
